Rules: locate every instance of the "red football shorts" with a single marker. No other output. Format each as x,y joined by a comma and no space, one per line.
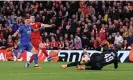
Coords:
35,42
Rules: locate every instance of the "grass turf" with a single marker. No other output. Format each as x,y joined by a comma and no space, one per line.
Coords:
53,71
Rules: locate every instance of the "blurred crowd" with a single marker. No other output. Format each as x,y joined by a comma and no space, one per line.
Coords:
79,24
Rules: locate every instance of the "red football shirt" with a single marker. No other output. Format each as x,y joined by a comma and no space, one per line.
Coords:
36,34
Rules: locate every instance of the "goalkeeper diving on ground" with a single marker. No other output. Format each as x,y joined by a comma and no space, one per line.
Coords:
97,60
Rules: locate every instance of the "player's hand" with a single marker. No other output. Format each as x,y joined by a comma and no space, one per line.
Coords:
8,49
42,27
13,38
13,35
53,25
80,68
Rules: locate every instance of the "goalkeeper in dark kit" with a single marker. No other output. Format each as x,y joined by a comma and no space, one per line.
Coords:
97,60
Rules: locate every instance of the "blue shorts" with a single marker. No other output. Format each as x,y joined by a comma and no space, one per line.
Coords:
22,47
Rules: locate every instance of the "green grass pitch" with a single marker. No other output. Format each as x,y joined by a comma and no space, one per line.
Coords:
53,71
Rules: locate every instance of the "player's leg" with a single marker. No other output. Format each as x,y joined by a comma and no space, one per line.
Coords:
18,53
35,53
15,52
35,44
44,51
32,57
42,47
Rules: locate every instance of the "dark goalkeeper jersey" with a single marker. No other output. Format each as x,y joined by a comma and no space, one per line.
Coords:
99,60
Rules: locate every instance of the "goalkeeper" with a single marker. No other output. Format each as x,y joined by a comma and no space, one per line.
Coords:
96,61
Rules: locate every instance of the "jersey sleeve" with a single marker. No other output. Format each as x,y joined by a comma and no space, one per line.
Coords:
20,29
39,24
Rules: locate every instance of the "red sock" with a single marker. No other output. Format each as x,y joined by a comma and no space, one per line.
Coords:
45,52
31,59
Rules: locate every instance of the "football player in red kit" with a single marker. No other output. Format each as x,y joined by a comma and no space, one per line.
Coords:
36,37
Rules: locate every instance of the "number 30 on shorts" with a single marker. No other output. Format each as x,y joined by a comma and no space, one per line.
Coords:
108,57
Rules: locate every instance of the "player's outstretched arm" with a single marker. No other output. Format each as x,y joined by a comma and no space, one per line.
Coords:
8,49
47,25
42,27
36,30
80,68
70,64
87,68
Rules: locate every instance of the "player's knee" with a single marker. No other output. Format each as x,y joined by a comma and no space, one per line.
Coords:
18,57
34,51
41,45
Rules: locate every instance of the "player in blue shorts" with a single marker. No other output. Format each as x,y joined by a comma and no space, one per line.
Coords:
25,32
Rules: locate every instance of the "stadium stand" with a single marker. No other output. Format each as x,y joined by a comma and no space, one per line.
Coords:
79,24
